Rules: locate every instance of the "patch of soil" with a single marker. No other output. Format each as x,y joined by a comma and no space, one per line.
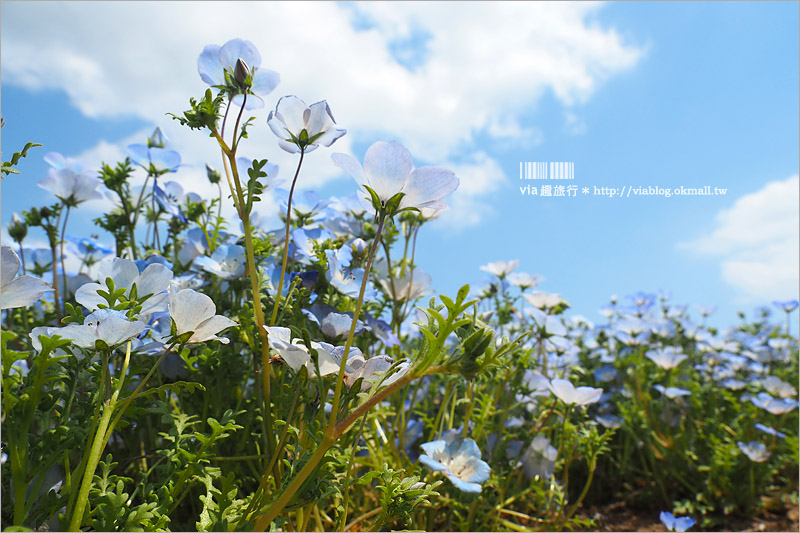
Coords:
619,516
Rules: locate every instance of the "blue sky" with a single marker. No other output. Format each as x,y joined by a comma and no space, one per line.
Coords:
635,94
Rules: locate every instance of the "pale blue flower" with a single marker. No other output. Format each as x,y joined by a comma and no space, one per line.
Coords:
539,459
674,523
70,187
154,160
776,406
787,306
346,281
216,60
672,392
153,280
755,451
389,169
766,429
292,117
459,460
569,394
331,322
501,269
227,262
18,292
667,358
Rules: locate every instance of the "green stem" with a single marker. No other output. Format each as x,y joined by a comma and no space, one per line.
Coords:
349,343
100,440
63,269
286,241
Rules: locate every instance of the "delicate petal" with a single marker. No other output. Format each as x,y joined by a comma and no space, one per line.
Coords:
387,166
428,184
350,165
154,279
236,49
210,67
139,154
208,329
291,110
22,292
188,308
265,81
10,264
164,159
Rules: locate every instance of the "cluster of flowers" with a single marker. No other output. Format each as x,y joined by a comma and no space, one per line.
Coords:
344,292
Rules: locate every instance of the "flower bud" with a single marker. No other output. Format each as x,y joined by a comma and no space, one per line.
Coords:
157,139
17,228
213,175
241,72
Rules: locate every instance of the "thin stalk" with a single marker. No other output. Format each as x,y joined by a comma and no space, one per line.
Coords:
349,343
286,241
328,439
100,440
345,491
63,269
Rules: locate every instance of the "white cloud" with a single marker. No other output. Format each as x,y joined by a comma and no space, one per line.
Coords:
486,64
758,242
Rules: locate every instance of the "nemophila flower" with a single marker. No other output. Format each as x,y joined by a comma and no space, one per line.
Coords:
301,127
667,358
70,187
152,282
413,285
17,292
193,311
152,259
567,393
755,451
346,281
301,247
733,384
331,322
59,162
459,460
501,269
779,344
544,300
777,387
382,330
674,523
188,280
87,248
358,367
171,198
524,281
547,324
307,204
787,306
389,170
158,139
227,262
539,458
297,355
605,373
107,325
766,429
193,245
154,160
609,421
217,67
776,406
671,392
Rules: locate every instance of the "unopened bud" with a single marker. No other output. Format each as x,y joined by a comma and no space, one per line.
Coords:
241,72
157,139
17,228
213,175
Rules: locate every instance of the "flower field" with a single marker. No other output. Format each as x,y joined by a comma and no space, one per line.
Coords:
204,374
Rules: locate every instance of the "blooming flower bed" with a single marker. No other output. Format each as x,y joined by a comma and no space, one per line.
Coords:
204,374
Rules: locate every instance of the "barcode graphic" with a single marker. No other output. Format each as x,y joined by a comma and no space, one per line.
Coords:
546,170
